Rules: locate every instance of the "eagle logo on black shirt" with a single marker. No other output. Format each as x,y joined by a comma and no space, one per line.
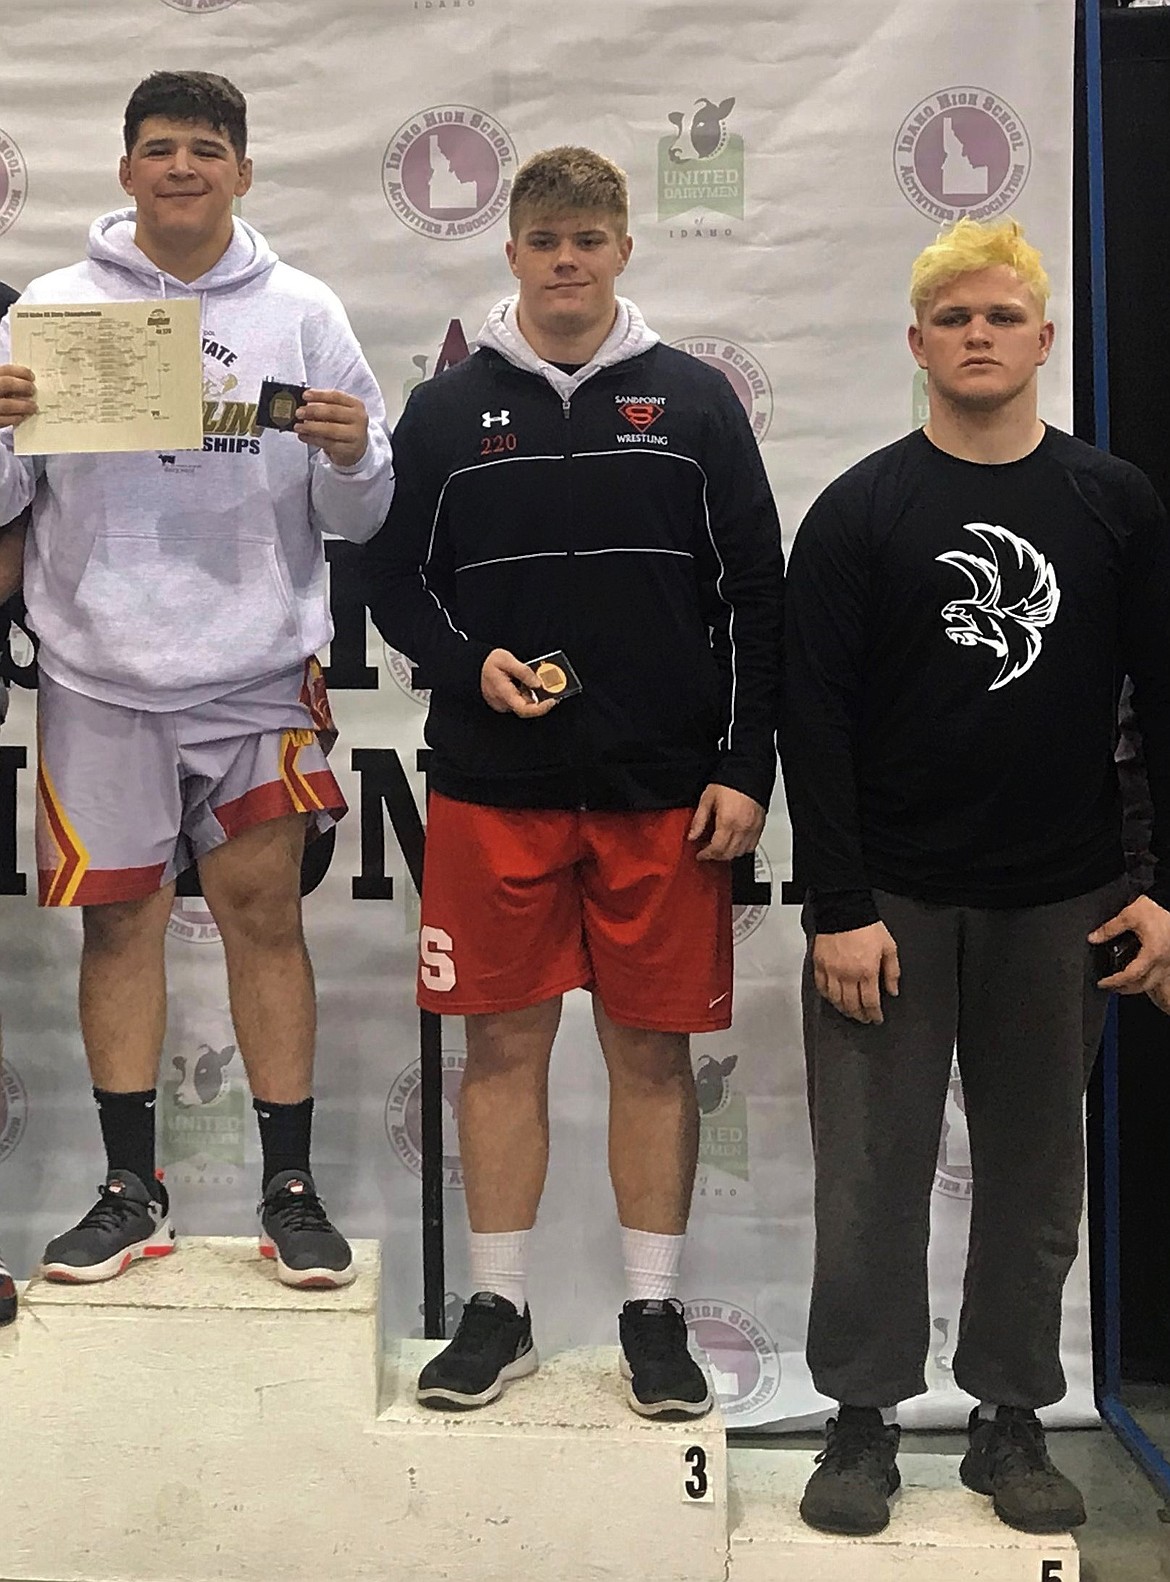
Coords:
1014,596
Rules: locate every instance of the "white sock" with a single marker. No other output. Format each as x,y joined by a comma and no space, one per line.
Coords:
499,1263
651,1265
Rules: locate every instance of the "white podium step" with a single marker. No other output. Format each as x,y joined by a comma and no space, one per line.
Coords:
938,1532
196,1421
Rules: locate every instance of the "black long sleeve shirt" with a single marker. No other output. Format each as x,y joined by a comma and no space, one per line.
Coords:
956,639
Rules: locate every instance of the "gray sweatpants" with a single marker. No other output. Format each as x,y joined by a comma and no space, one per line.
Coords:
1016,992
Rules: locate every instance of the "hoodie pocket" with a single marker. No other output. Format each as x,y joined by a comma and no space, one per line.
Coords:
179,612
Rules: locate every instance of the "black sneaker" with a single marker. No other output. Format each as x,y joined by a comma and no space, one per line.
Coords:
129,1220
492,1345
662,1378
856,1474
7,1295
1008,1459
310,1253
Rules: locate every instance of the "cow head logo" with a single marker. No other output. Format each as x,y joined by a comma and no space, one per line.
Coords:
707,133
711,1082
1014,596
203,1077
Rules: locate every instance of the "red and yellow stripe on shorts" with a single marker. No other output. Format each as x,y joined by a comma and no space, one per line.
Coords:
58,886
300,790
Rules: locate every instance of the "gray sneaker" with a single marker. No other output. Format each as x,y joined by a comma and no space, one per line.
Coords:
856,1474
129,1220
310,1253
1009,1460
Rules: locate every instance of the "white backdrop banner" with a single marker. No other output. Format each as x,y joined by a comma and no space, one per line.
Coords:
787,159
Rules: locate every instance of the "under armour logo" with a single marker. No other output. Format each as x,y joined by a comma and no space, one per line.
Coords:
502,418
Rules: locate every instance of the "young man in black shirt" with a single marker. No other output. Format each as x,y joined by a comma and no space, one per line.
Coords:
963,606
575,487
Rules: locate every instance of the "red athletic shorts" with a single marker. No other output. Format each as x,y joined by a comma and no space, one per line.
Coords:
520,904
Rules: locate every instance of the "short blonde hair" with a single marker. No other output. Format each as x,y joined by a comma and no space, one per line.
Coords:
971,245
569,180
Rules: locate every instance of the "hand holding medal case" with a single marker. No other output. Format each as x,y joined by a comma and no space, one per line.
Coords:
556,675
278,404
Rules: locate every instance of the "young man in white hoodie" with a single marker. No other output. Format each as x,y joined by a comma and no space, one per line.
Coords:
11,544
576,486
179,601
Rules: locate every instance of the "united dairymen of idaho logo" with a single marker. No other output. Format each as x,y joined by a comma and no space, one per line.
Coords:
13,182
743,373
962,151
404,1117
742,1356
952,1178
13,1109
723,1124
700,162
447,172
1014,597
201,1113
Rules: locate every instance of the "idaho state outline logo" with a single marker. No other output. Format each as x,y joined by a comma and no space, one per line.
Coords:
447,172
962,152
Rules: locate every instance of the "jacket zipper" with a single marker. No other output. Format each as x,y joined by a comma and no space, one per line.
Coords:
566,409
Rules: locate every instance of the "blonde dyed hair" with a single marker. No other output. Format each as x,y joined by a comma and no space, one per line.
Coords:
569,180
971,245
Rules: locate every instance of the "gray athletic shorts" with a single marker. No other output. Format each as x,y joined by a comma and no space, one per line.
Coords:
127,799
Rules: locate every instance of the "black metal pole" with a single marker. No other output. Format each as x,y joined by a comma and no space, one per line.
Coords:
430,1042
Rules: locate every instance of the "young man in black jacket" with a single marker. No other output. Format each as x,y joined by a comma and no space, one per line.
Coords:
962,608
575,488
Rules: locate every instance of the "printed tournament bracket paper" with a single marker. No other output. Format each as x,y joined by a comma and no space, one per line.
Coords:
111,376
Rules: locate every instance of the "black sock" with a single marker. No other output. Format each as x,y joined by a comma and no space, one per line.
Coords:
127,1121
285,1133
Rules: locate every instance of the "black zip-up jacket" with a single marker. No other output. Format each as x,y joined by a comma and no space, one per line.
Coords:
631,526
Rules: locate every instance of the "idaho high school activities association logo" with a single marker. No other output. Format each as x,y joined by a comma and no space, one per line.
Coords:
962,151
447,172
746,919
742,1356
952,1178
402,674
200,5
191,922
743,372
13,182
404,1117
700,162
13,1109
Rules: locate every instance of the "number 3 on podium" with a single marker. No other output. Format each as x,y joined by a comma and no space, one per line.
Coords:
696,1483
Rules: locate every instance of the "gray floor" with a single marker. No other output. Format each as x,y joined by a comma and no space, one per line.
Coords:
1127,1538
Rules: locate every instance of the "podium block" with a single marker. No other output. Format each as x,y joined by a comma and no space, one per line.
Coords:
196,1421
938,1530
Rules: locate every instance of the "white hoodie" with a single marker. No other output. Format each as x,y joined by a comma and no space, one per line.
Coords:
629,337
157,581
